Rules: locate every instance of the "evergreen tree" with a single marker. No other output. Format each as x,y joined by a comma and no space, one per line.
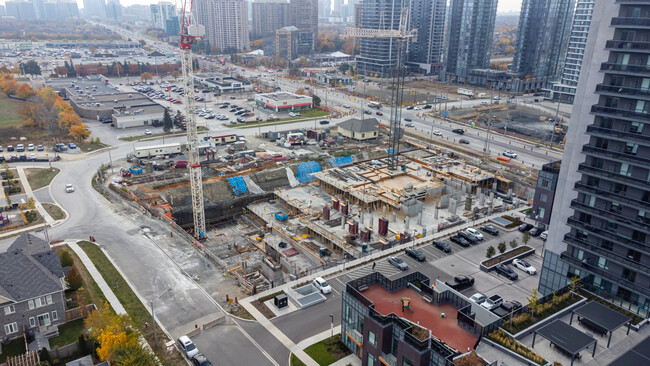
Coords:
178,119
167,121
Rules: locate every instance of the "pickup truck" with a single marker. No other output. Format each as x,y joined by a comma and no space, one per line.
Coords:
492,302
507,308
461,282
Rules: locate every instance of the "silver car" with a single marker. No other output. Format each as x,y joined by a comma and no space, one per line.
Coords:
397,262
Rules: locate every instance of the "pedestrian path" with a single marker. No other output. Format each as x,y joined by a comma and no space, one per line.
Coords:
382,266
28,191
103,286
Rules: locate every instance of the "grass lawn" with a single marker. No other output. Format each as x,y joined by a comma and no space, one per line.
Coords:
140,137
55,211
14,348
68,333
40,177
305,115
295,361
328,351
91,146
242,313
130,301
9,111
89,293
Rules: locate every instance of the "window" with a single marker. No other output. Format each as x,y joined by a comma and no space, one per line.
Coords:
11,328
371,360
30,303
406,362
634,255
625,169
546,183
43,320
602,262
32,322
10,309
48,299
540,212
543,197
372,339
607,245
55,316
631,148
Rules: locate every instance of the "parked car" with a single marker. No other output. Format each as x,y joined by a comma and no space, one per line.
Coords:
409,107
509,154
459,240
72,145
524,266
526,227
322,285
399,263
30,147
469,237
537,231
187,346
492,302
416,254
506,271
490,229
461,282
20,148
147,132
476,233
459,131
442,246
39,148
10,148
543,235
1,149
478,298
200,360
69,188
379,113
32,156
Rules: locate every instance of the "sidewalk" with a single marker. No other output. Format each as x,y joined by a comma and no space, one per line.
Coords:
28,191
103,286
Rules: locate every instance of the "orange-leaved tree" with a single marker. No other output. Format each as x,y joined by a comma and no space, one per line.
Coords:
24,91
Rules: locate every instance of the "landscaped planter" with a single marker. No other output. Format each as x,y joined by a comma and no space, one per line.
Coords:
507,257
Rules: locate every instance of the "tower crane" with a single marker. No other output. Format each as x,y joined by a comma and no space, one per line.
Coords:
190,33
398,72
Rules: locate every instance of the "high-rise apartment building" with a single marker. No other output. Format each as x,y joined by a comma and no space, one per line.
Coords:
324,8
113,10
269,16
21,10
428,17
226,23
62,10
291,42
378,55
304,15
565,89
3,11
95,8
161,13
39,9
542,38
599,230
469,37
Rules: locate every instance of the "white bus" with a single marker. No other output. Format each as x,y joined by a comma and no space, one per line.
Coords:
467,92
157,150
375,105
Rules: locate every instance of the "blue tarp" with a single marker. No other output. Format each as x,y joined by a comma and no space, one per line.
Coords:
238,185
280,216
305,170
342,160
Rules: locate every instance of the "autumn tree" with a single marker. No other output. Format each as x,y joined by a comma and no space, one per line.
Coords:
130,354
25,91
301,91
8,84
146,76
257,44
112,332
61,70
118,70
79,132
175,74
73,279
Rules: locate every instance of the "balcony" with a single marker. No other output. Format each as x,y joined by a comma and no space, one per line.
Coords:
607,235
615,155
617,112
618,218
581,187
599,172
608,133
632,22
627,45
586,264
621,260
605,66
618,90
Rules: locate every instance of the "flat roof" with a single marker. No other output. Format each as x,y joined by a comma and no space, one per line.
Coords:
425,314
280,96
639,355
602,315
144,110
566,337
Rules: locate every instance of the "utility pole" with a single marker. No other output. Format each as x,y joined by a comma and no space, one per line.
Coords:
557,113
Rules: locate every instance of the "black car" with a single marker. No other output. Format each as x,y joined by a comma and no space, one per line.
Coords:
409,107
241,120
526,227
232,110
490,229
442,246
535,232
2,158
506,271
464,141
408,119
200,360
469,237
223,107
324,122
459,240
23,157
459,131
428,106
10,148
416,254
367,112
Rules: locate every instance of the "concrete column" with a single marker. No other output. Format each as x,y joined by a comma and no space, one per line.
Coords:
510,192
420,218
481,199
452,206
407,223
435,213
342,222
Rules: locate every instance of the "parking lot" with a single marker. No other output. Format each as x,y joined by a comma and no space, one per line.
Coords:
438,265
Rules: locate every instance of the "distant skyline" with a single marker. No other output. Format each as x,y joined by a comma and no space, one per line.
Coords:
504,5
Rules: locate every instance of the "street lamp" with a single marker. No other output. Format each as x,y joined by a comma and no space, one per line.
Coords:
153,317
331,326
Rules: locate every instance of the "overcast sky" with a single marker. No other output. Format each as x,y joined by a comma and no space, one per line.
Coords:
504,5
